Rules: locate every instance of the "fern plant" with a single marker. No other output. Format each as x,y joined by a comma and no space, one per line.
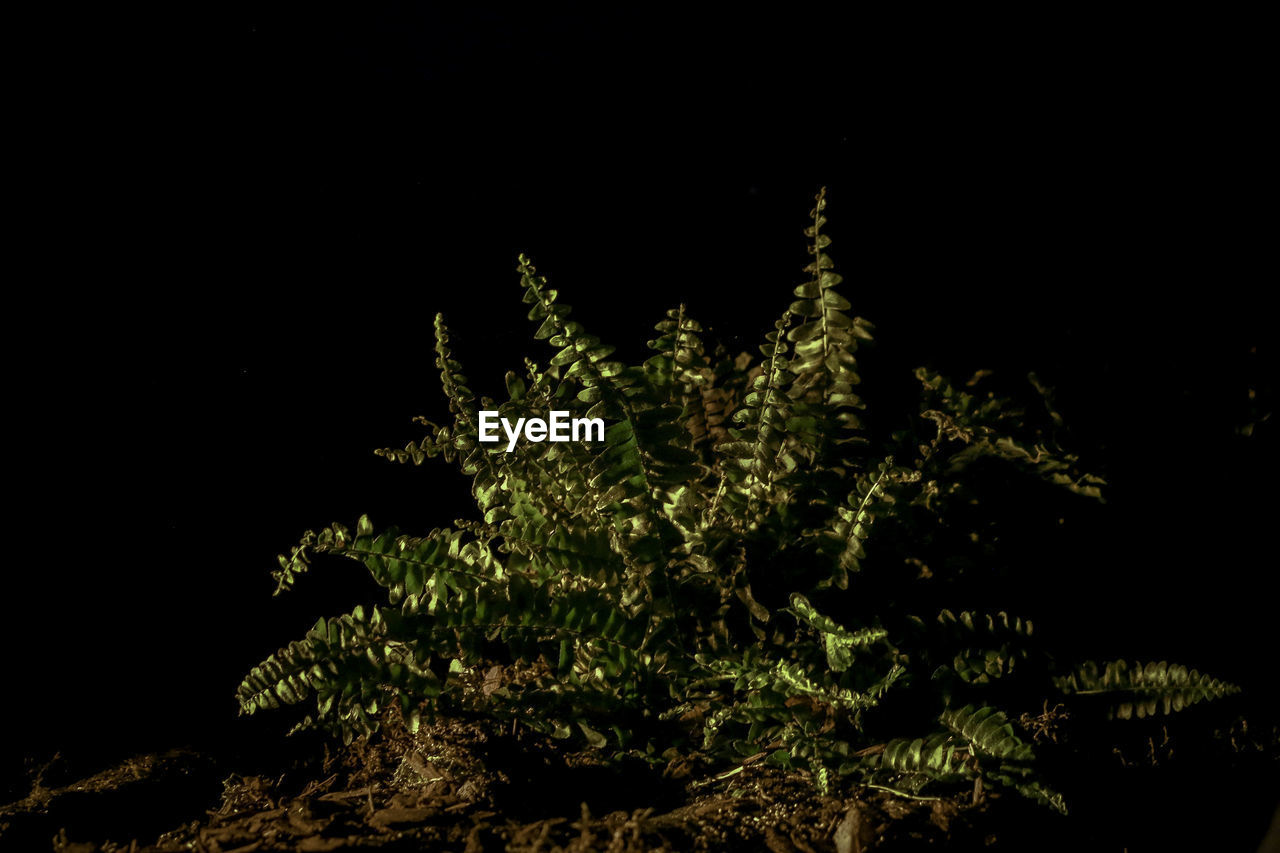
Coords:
725,573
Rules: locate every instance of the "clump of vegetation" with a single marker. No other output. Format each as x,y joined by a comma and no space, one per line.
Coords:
727,575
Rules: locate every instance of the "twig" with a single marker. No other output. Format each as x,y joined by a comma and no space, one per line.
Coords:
901,793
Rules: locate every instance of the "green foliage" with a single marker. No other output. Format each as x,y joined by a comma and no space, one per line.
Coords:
730,571
1142,690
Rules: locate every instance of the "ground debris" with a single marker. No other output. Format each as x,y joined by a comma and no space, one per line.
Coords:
475,787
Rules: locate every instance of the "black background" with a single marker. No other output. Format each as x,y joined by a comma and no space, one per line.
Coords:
240,223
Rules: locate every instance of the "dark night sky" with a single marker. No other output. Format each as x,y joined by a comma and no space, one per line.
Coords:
242,223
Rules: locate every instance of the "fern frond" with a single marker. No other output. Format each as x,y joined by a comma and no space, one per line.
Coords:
824,363
680,356
840,642
991,736
985,429
869,499
354,665
406,566
939,756
437,442
988,732
757,457
643,459
979,648
565,555
298,561
1143,690
1000,626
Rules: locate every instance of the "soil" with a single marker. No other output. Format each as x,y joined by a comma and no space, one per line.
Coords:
465,786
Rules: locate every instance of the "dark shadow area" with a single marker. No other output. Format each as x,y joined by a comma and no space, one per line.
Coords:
541,783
